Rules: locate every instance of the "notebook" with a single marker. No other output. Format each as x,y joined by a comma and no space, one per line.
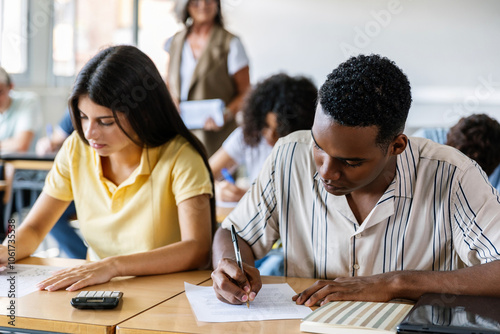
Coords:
195,113
355,317
457,314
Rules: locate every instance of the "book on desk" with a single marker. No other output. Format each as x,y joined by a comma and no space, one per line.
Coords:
433,313
355,316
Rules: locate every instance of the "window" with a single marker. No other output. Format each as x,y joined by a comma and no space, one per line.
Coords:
82,28
157,22
14,36
77,30
63,38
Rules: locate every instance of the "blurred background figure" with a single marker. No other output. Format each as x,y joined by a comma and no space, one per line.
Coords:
205,61
276,107
54,139
68,239
21,121
478,137
21,118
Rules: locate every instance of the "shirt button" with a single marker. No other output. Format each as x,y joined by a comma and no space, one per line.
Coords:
356,266
358,236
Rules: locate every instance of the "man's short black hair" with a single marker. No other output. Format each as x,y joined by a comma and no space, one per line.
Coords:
366,91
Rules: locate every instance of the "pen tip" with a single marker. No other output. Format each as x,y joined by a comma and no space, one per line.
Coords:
248,304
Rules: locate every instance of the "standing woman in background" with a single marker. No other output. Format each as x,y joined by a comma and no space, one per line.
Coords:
140,180
205,61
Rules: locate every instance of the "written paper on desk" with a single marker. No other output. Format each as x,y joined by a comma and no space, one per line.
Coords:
274,301
23,277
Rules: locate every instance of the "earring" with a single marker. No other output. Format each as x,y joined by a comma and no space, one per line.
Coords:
189,21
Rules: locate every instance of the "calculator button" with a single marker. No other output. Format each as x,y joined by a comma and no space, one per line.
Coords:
82,294
107,293
91,294
115,294
99,294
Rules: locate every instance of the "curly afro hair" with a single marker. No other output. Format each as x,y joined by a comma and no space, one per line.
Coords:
478,137
292,99
365,91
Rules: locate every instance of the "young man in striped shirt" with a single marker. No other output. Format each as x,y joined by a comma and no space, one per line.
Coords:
371,213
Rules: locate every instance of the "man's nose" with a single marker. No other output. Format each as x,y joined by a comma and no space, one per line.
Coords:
330,169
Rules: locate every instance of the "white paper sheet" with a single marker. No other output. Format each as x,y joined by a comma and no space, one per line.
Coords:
22,278
274,301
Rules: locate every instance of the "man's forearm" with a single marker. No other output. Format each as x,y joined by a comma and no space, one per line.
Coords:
476,280
223,248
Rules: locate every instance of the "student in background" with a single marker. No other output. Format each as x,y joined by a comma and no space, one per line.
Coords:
205,61
70,243
20,117
477,136
276,107
140,181
21,120
372,214
53,142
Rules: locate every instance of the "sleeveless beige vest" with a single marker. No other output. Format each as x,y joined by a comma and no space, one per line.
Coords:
210,79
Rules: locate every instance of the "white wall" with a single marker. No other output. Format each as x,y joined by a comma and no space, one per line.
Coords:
450,49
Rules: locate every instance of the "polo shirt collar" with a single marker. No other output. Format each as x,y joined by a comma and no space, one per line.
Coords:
149,158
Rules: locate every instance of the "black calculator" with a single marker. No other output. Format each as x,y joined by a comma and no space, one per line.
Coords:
97,299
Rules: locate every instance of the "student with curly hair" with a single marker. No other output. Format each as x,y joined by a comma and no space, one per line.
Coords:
477,136
277,106
373,214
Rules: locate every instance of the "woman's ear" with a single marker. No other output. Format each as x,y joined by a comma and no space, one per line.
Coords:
399,144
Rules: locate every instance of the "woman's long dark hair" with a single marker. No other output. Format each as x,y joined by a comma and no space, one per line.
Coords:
125,80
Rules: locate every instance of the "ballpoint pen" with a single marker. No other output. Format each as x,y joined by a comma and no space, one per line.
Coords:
227,176
48,130
238,254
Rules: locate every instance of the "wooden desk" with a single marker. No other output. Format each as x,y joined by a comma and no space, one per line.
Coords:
175,316
51,311
222,212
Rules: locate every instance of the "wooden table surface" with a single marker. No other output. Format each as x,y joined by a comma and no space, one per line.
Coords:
176,316
52,311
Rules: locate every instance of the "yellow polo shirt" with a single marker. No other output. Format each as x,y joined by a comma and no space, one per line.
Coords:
138,215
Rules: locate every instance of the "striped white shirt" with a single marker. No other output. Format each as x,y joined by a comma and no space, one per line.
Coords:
439,213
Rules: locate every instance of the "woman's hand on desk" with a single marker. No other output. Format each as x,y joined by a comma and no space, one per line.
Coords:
76,278
231,286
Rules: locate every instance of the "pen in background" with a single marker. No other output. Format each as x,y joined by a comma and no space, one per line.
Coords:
238,255
48,130
227,176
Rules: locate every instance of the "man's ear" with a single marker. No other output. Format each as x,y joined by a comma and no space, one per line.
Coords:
399,144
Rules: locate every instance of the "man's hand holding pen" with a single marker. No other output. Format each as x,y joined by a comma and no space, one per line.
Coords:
232,286
234,281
